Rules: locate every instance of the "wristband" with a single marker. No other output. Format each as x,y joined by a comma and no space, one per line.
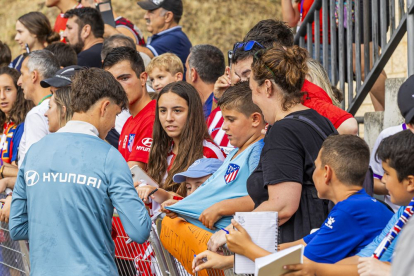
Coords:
153,192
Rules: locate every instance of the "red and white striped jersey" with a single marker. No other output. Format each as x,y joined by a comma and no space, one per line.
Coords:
214,124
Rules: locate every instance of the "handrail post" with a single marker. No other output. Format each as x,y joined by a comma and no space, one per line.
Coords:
410,38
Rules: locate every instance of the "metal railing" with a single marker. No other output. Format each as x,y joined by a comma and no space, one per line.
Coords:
390,21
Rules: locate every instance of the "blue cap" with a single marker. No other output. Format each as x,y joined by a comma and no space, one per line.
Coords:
199,168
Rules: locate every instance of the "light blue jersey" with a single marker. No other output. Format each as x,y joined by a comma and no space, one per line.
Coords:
63,201
229,181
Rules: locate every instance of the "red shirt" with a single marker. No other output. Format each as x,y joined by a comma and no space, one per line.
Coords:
317,99
214,124
307,4
60,24
136,136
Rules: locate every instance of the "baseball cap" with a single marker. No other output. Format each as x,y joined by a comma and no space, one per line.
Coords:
62,77
199,168
405,99
174,6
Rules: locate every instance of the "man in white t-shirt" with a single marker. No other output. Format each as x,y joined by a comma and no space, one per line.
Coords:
38,65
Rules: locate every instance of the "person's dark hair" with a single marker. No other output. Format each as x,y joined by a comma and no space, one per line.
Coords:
266,32
115,41
287,68
92,84
239,98
38,24
5,54
191,146
21,106
88,16
44,62
65,54
348,156
208,61
398,151
337,93
120,54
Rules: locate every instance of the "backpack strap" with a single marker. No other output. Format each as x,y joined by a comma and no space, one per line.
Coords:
310,123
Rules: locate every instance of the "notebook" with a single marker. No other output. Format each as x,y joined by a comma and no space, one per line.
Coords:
272,265
263,229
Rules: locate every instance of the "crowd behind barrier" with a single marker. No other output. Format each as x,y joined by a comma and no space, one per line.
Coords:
264,134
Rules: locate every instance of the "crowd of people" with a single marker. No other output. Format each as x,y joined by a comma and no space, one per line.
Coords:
86,102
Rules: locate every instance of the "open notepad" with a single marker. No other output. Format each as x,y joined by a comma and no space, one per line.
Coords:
272,265
263,229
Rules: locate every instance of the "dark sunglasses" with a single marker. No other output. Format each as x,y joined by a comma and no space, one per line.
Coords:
245,46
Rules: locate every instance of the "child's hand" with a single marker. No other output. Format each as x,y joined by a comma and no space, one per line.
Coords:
169,202
305,269
373,267
5,210
210,216
144,191
216,240
208,259
238,241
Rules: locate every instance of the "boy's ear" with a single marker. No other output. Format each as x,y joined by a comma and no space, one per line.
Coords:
179,76
410,183
104,106
257,120
143,77
328,174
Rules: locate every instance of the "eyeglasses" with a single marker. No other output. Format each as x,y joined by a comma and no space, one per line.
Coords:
246,46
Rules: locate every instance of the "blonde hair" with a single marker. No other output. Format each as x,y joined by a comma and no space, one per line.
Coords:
168,61
317,75
62,99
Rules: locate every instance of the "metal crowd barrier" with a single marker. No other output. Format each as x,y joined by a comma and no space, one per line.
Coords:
14,255
153,259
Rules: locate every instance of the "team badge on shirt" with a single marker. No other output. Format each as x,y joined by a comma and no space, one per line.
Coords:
231,173
130,141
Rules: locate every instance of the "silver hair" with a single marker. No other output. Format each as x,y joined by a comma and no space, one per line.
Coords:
44,62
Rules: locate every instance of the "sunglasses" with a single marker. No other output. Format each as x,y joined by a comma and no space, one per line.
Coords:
245,46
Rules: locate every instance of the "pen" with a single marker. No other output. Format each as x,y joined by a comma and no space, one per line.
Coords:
227,232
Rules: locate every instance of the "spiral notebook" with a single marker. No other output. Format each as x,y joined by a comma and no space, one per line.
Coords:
263,229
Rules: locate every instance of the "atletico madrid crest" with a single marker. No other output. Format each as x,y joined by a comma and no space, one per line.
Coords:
231,173
131,142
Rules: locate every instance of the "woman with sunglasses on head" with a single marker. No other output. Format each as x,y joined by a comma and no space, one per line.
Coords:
33,32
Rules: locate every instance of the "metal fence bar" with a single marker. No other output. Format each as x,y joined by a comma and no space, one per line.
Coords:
334,46
384,21
358,70
349,38
325,34
410,36
392,16
317,36
341,36
309,37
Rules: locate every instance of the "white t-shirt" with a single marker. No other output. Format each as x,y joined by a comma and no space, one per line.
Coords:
376,165
121,120
36,126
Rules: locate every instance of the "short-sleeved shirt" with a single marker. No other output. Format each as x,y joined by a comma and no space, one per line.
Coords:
10,142
17,63
122,22
136,136
229,181
91,57
214,124
290,149
368,250
317,99
172,40
36,126
402,263
208,105
376,164
351,225
60,24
